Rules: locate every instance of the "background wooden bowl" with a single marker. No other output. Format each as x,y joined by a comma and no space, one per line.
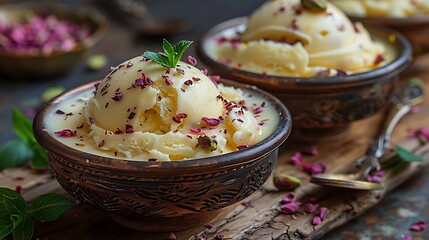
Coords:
321,107
57,63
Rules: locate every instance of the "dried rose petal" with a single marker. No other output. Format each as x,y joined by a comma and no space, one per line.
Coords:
18,189
211,121
297,159
309,207
288,198
323,212
66,133
418,226
406,237
101,143
241,147
191,60
379,59
290,208
178,117
59,112
424,132
219,237
118,95
314,168
209,226
196,130
129,129
316,220
142,82
215,79
376,177
172,237
310,151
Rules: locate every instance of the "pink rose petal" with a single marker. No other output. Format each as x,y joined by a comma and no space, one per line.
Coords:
290,208
418,226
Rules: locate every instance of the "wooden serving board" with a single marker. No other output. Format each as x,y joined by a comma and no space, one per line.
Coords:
259,217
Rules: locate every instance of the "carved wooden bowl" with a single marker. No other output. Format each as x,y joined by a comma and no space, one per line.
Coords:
163,196
321,107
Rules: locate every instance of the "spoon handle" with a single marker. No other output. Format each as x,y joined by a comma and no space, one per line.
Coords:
412,95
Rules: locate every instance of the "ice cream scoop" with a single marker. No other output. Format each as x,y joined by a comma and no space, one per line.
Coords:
288,38
143,110
383,8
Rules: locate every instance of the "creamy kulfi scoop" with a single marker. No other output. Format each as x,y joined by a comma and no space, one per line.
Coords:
285,38
144,111
384,8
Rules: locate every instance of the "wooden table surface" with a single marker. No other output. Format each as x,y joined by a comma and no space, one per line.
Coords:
388,219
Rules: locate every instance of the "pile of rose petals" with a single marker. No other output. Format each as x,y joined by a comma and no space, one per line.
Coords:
41,35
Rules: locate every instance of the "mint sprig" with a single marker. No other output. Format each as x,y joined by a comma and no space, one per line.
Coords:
20,151
172,53
16,216
406,155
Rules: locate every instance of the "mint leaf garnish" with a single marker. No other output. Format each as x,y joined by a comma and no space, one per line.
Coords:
172,53
16,216
50,206
406,155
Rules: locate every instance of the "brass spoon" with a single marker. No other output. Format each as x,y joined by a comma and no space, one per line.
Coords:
412,95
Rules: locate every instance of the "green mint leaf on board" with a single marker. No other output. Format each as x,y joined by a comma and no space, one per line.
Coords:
15,153
12,202
406,155
49,207
24,230
6,227
22,126
172,53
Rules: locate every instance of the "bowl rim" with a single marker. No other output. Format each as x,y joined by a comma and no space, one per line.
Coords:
223,161
398,64
96,18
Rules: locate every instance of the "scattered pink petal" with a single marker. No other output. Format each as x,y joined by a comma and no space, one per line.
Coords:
416,109
309,207
290,208
323,212
376,177
288,198
215,79
310,151
406,237
297,159
178,117
191,60
209,226
211,121
314,168
424,132
418,226
316,220
246,204
18,189
172,237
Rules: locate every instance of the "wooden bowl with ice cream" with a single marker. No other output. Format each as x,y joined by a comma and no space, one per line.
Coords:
328,71
155,173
